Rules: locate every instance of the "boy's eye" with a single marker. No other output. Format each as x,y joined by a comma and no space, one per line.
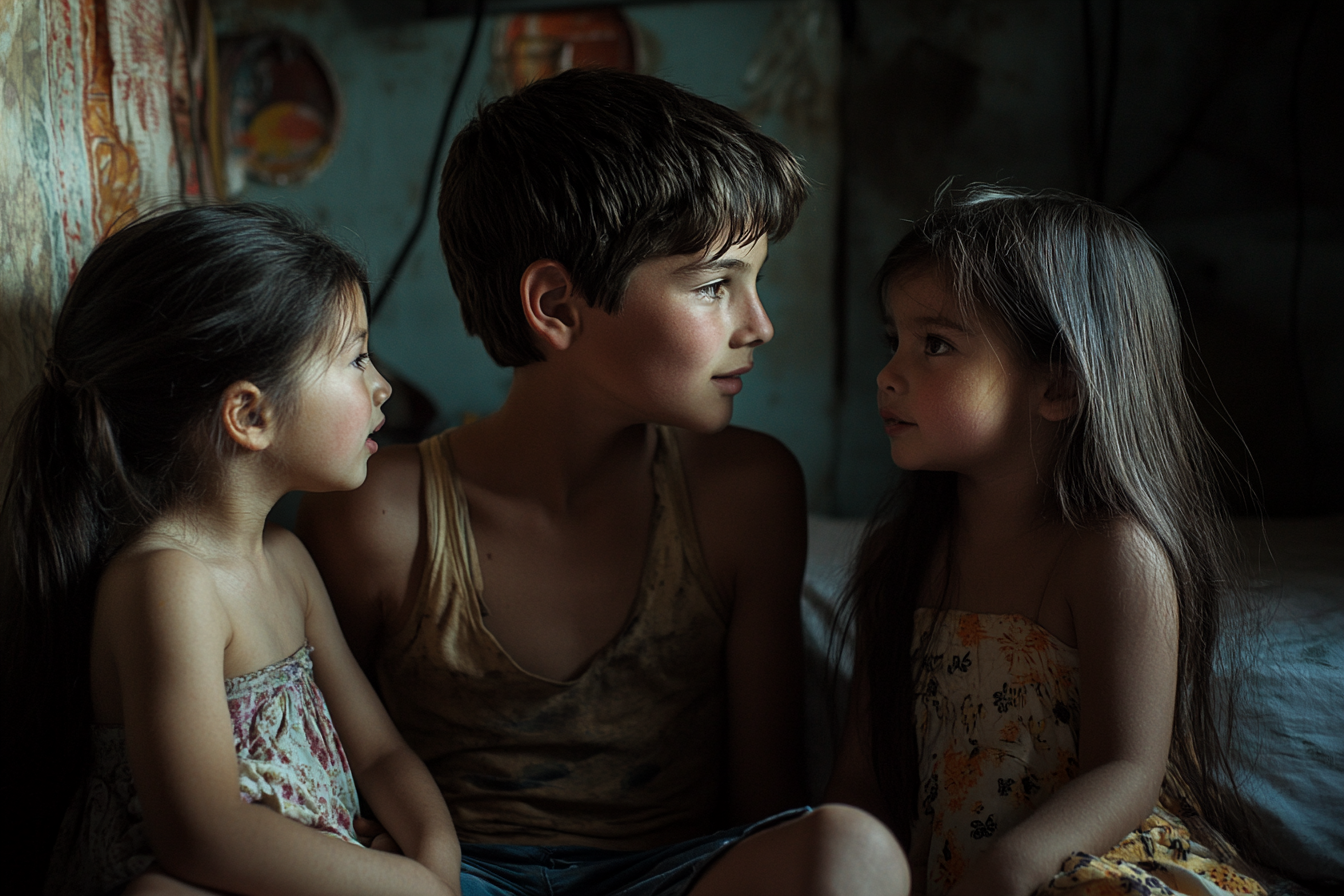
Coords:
361,361
936,345
711,290
892,340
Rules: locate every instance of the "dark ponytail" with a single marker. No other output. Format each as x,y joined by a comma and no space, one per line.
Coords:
163,316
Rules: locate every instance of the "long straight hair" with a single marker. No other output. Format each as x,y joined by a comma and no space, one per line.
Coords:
163,316
1082,290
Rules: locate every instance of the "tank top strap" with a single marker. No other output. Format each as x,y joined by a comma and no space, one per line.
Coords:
669,478
452,550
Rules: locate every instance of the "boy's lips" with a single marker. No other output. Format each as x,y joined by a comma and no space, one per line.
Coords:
730,383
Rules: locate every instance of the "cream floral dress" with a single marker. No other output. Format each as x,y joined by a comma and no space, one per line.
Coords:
289,759
996,711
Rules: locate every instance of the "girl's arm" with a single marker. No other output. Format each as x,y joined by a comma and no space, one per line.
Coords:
393,780
1123,601
162,619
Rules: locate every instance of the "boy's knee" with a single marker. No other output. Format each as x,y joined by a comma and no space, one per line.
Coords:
857,852
155,883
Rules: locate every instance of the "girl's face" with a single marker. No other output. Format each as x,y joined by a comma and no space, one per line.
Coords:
954,395
327,440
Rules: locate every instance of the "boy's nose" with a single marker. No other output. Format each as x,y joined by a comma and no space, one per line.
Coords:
755,328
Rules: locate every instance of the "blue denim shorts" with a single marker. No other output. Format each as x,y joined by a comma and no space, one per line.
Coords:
503,870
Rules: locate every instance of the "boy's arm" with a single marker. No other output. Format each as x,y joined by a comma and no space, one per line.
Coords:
367,545
751,514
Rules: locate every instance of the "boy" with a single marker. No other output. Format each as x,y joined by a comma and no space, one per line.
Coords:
582,610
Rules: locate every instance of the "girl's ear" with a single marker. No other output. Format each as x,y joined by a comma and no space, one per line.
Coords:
1060,400
550,303
247,416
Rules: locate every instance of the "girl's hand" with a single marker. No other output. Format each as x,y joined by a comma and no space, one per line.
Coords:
366,829
994,872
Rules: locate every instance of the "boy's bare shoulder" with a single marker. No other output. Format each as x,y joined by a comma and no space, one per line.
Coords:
750,508
740,461
381,515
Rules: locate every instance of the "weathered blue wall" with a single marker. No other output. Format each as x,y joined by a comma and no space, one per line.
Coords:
1218,105
1202,152
395,81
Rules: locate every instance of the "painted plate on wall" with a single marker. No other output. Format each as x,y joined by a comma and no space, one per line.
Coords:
281,111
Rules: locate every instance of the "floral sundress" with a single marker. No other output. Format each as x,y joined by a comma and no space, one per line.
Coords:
996,714
289,758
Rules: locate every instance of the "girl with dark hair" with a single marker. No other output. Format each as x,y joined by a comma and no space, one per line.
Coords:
1040,596
204,363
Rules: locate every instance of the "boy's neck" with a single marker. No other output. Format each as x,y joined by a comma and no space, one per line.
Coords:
550,443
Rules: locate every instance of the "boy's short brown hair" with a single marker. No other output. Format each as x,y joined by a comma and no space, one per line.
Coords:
599,171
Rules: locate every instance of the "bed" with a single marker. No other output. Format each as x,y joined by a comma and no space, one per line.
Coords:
1292,763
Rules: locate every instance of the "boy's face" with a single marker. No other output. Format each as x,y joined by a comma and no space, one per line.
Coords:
677,350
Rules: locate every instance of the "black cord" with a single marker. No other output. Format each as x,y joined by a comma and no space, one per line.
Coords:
431,176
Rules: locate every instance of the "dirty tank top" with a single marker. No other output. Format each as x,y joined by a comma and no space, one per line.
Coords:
629,754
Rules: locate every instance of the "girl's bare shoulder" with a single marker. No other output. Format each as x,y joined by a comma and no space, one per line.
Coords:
153,565
1116,556
152,589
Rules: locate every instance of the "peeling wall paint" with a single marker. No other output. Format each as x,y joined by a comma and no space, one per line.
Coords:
395,79
926,90
1201,153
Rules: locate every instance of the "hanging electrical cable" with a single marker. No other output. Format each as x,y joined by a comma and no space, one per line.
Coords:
431,176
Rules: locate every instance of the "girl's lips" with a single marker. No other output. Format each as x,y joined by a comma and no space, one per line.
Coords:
369,443
895,425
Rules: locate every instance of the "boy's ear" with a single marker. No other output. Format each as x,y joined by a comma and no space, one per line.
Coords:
550,303
247,416
1060,400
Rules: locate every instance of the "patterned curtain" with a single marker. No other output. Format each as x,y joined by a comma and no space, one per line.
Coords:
105,113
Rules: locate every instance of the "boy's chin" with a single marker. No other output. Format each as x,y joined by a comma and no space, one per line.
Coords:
705,425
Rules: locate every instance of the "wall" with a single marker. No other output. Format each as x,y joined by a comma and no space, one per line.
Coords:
1201,150
778,61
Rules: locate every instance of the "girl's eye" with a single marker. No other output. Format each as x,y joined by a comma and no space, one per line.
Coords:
712,291
892,340
362,361
935,345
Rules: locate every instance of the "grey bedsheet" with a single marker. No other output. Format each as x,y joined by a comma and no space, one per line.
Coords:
1291,761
